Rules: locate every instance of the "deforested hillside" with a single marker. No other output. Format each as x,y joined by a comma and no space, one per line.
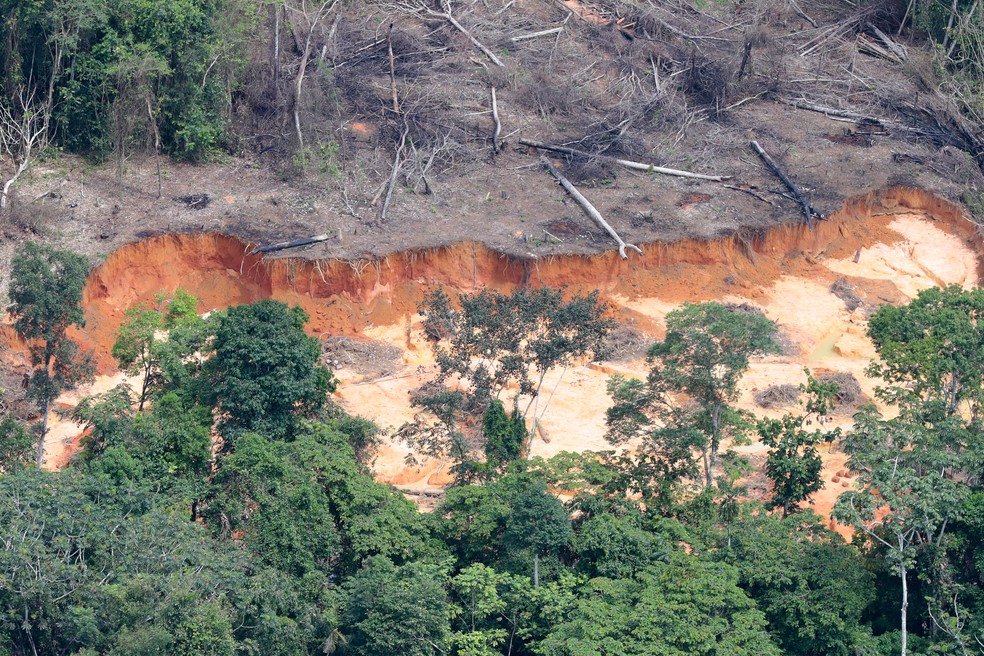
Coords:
408,124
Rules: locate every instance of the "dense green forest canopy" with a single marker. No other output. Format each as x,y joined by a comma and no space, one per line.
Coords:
205,524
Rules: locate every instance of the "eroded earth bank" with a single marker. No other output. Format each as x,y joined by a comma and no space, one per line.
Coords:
819,286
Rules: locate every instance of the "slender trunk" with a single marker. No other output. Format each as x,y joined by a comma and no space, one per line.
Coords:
713,446
46,395
708,474
905,607
275,64
44,430
536,571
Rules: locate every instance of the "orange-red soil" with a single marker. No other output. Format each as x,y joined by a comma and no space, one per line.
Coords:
888,245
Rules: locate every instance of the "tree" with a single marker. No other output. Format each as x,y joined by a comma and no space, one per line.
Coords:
398,611
812,587
493,342
685,606
686,402
138,348
23,134
264,373
915,469
46,290
538,522
793,463
16,445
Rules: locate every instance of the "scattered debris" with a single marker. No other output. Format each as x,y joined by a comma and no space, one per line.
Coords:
844,290
370,358
194,201
778,396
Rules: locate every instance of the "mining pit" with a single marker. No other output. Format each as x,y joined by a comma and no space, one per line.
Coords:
818,285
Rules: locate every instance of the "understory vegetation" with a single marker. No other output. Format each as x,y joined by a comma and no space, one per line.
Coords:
228,507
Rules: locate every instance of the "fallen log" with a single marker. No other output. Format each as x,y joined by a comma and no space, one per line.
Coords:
895,48
808,211
524,37
589,209
637,166
296,243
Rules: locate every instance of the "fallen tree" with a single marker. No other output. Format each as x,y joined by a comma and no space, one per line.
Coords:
589,209
637,166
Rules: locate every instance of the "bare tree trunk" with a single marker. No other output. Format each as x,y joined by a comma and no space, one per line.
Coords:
905,607
536,570
44,409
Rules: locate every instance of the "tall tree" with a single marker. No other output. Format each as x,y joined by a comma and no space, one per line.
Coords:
264,373
915,469
46,290
687,401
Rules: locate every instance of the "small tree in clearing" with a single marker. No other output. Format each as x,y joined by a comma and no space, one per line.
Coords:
687,399
793,464
494,342
46,290
138,349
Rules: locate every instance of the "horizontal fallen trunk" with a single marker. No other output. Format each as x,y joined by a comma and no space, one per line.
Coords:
524,37
637,166
297,243
589,209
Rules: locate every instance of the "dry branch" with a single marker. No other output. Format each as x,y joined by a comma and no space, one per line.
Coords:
397,162
637,166
589,209
446,15
296,243
533,35
808,211
392,63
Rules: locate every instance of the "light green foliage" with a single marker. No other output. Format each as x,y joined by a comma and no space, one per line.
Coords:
139,347
105,569
793,464
684,607
264,373
703,357
46,294
479,607
16,445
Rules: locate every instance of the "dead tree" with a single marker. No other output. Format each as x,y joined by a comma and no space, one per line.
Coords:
23,133
808,211
305,17
589,209
421,9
